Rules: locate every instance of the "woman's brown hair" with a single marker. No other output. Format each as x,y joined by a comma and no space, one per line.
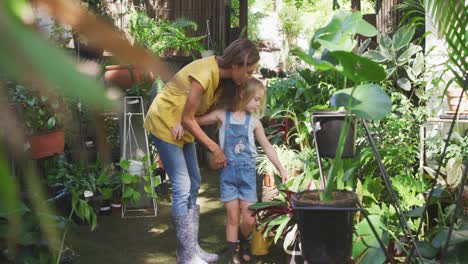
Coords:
241,52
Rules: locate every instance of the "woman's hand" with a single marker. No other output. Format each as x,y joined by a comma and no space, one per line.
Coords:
178,131
219,157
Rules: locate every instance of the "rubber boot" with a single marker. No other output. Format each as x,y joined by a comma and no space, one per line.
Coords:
208,257
185,240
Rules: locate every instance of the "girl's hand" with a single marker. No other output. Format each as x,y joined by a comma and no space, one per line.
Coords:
220,158
177,131
284,176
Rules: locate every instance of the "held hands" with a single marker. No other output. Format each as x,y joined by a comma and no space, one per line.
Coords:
177,131
219,157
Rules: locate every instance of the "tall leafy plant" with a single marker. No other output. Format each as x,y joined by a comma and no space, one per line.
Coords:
164,36
331,49
403,61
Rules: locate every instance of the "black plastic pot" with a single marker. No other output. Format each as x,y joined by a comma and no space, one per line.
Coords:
326,228
327,125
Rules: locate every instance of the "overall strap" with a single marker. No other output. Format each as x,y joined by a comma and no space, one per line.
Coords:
228,118
247,119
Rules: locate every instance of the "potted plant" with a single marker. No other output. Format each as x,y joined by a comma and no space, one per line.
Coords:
331,49
42,120
327,126
126,76
107,183
134,174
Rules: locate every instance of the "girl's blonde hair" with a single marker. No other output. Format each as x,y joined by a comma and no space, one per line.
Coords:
234,97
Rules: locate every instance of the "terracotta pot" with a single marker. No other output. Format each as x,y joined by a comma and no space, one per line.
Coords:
124,76
48,144
268,180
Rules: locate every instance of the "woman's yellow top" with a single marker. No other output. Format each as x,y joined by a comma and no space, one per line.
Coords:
166,109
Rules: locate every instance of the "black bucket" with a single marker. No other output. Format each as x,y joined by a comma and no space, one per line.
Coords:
326,228
327,125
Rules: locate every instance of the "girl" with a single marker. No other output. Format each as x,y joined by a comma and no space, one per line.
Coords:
239,127
193,91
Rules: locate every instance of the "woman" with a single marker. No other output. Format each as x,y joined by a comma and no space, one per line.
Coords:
191,92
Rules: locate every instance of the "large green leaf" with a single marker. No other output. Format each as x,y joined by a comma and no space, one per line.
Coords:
262,205
24,55
368,102
373,255
318,64
339,33
426,249
358,68
458,236
16,7
403,36
364,238
364,28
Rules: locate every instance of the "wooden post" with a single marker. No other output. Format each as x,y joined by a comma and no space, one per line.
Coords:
356,5
243,16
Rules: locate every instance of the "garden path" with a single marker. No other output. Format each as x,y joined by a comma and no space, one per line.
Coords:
152,240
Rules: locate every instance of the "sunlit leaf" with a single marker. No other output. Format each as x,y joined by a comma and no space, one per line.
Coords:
407,54
386,46
418,64
369,101
404,84
403,36
51,123
375,56
128,193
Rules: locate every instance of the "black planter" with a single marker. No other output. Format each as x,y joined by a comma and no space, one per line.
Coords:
105,208
327,125
326,228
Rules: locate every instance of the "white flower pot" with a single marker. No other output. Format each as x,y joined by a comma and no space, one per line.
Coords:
135,167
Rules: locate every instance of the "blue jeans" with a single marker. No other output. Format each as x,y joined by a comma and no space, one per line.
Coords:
181,166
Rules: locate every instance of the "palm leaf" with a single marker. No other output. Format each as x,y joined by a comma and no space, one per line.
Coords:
450,18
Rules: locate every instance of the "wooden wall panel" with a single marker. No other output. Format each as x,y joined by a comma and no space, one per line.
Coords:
388,17
199,11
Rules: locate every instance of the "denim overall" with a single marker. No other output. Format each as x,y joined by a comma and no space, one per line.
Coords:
238,178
